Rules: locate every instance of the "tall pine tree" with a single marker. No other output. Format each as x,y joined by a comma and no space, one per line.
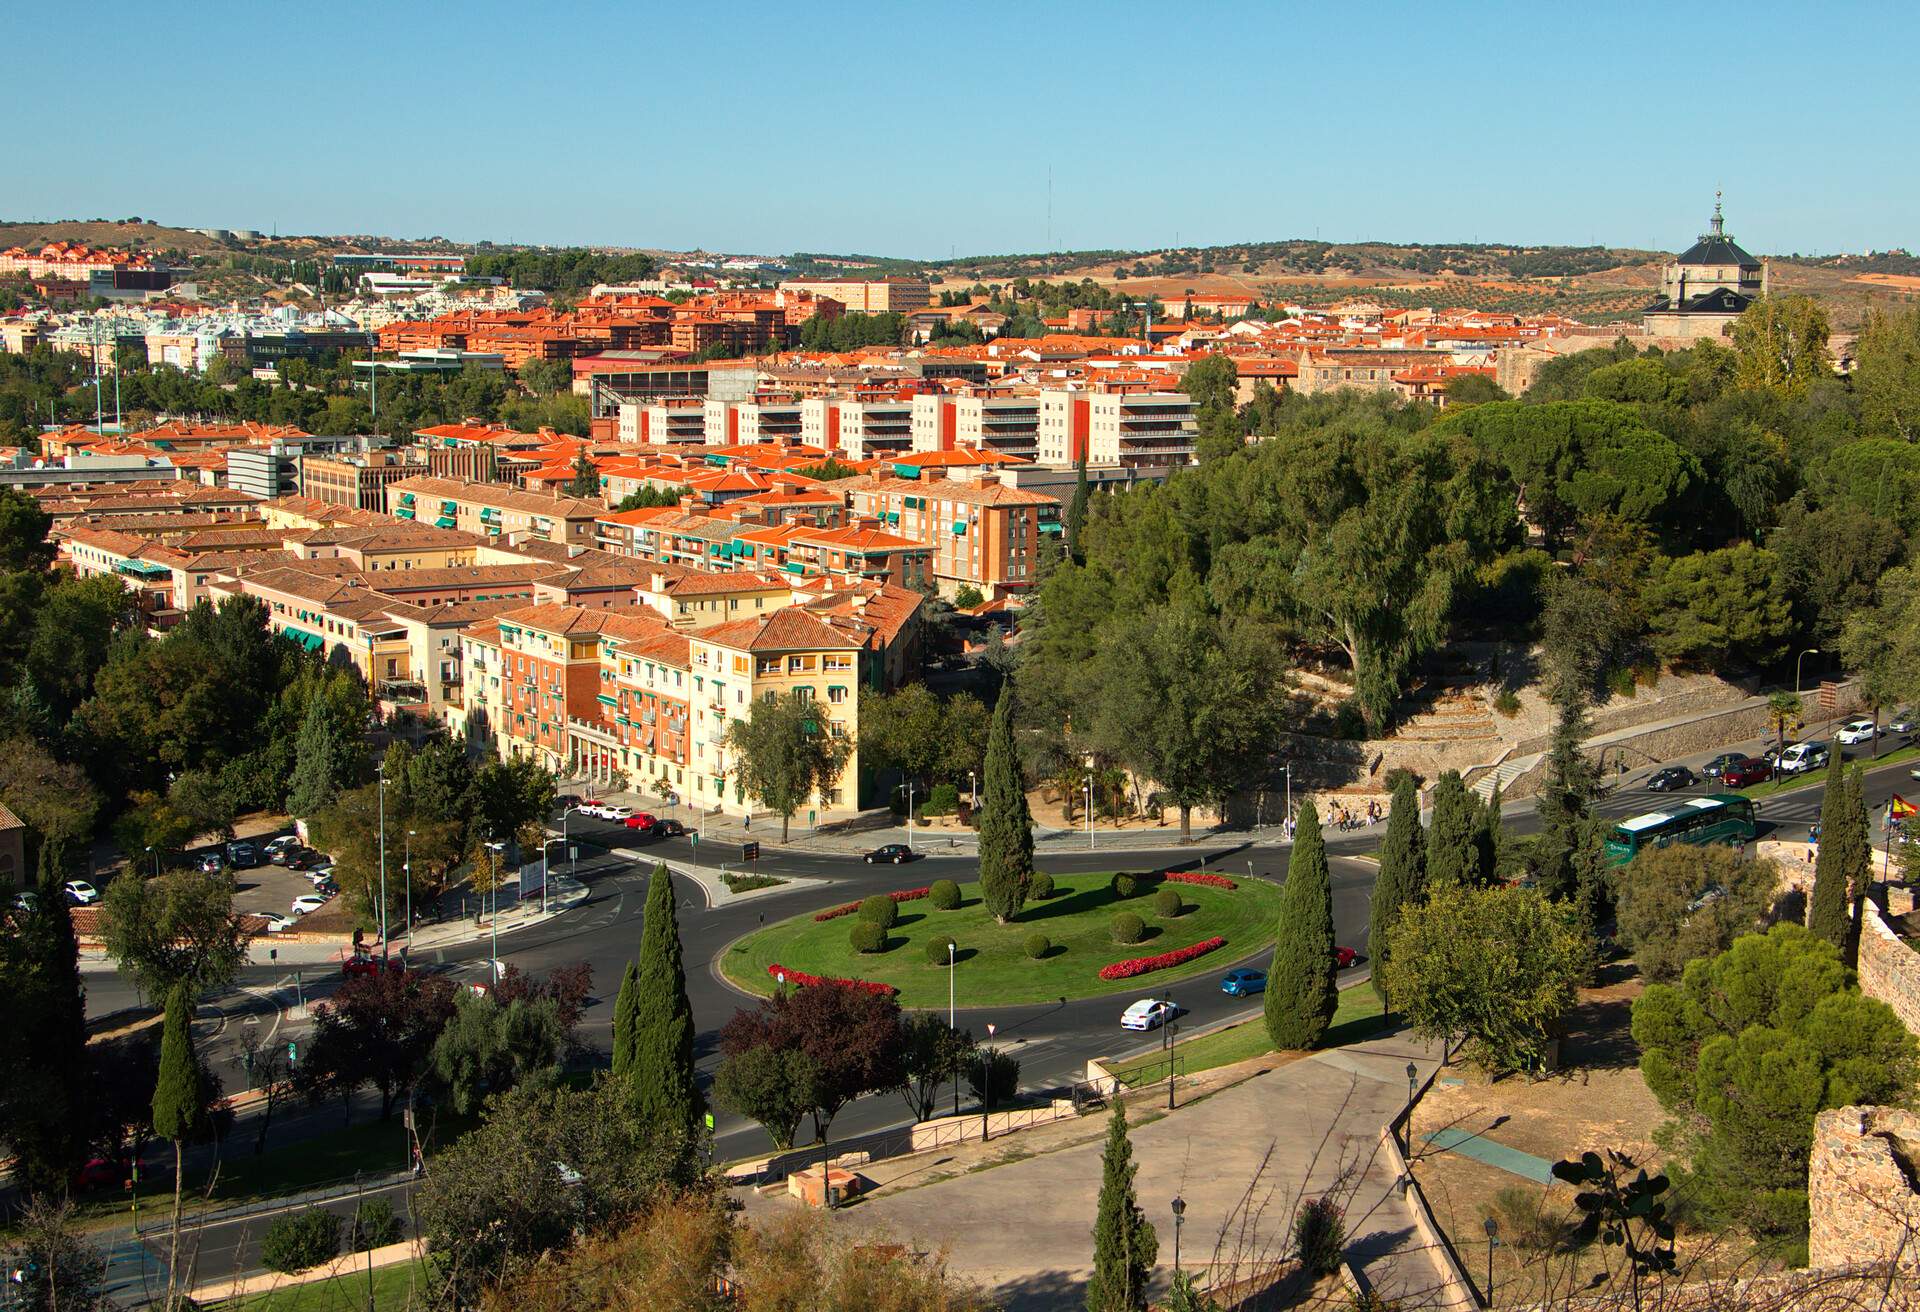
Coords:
1006,826
1300,982
316,763
624,1009
1827,909
179,1107
1453,848
1489,835
1402,877
660,1065
1859,868
46,1099
1077,517
1124,1243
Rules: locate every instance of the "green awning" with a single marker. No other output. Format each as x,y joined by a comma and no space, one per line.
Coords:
310,641
795,567
907,471
605,700
445,521
406,498
1052,526
403,513
959,528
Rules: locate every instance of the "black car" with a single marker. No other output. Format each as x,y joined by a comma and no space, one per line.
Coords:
563,800
668,829
1672,778
241,855
897,853
1718,765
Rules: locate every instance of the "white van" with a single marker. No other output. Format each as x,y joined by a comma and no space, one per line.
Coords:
1801,757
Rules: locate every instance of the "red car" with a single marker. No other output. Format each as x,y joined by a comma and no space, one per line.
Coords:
641,820
365,963
100,1173
1344,957
1744,774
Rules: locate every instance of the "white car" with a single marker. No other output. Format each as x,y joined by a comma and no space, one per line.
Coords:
615,812
308,902
324,875
280,844
1856,731
1802,757
1148,1014
80,892
275,922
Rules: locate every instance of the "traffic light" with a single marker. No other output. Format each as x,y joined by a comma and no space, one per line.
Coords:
293,1050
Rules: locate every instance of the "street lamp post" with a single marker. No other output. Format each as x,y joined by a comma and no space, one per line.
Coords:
1811,651
156,861
1413,1078
1179,1215
973,788
952,947
1089,813
909,815
1492,1227
406,872
1173,1032
986,1082
571,872
383,859
1287,769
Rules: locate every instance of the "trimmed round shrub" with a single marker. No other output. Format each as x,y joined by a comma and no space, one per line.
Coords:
879,910
865,936
1038,945
944,894
1167,904
1125,885
299,1240
373,1226
1040,887
937,951
1128,928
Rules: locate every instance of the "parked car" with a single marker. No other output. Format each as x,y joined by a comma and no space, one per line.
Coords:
211,863
277,849
1802,757
302,859
669,828
275,922
365,963
309,902
1344,957
1857,731
1149,1014
80,893
893,853
1672,778
563,800
319,878
1242,983
619,813
1903,723
26,900
1746,772
241,855
641,820
100,1173
1717,766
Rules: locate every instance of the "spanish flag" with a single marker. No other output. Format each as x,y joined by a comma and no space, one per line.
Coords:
1900,808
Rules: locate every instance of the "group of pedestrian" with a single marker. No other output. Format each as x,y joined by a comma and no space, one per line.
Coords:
1341,817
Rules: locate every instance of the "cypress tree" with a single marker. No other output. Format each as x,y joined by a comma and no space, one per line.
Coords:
624,1007
47,1010
1077,516
1453,850
1006,826
1300,982
1402,877
1859,867
1124,1242
179,1105
660,1063
1487,835
316,765
1827,908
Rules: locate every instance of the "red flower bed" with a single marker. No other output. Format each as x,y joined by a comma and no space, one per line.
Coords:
903,895
1198,877
804,980
1179,956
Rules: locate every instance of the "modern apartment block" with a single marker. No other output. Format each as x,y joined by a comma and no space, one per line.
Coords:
1143,431
857,429
358,480
1008,424
733,423
493,510
984,534
868,295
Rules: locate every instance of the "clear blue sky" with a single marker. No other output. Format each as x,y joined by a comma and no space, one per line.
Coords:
918,128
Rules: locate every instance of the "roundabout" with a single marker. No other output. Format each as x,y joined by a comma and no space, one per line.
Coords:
998,964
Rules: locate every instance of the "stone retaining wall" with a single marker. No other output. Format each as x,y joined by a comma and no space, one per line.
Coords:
1889,969
1861,1192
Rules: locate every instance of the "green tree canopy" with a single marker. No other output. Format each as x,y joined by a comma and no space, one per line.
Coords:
1005,824
784,754
1721,608
1301,996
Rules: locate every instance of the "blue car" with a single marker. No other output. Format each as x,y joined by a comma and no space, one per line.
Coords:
1240,983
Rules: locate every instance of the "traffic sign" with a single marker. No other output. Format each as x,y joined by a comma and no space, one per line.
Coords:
293,1050
709,1120
750,851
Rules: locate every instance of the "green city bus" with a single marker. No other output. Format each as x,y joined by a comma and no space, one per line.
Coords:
1718,818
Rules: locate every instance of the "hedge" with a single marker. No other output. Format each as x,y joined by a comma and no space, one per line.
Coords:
879,910
801,979
904,895
1038,945
1167,904
1128,928
866,936
944,894
937,951
1143,965
1040,887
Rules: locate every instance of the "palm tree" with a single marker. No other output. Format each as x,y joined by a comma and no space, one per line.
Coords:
1783,709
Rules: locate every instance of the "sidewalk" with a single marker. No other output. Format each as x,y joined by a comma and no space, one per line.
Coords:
1241,1158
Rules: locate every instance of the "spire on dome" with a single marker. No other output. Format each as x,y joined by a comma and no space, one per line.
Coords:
1718,222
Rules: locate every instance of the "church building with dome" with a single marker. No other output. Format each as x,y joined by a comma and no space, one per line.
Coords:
1707,287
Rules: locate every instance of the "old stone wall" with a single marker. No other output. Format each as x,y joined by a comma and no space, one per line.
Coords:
1861,1187
1889,969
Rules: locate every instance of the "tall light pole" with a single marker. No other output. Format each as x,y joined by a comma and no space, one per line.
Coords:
382,772
1288,770
1179,1215
1811,651
156,861
1492,1227
909,786
406,870
986,1081
1089,813
571,873
973,787
493,859
952,947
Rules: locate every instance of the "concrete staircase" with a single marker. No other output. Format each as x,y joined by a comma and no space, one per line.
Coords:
1502,775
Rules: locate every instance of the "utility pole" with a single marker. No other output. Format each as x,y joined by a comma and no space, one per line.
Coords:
383,859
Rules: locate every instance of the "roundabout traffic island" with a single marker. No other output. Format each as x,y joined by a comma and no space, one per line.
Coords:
1091,932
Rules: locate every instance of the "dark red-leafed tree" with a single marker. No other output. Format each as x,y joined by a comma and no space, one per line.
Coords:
377,1029
853,1036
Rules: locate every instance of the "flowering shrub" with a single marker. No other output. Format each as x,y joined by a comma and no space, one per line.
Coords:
904,895
1198,877
804,980
1179,956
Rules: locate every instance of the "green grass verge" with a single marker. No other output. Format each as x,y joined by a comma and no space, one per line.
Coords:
1358,1016
395,1289
993,962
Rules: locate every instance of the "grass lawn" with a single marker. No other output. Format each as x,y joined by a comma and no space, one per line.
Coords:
1813,778
395,1288
1358,1016
993,962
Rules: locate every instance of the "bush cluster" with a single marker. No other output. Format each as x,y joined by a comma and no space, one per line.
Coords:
942,799
1040,887
297,1241
1126,885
